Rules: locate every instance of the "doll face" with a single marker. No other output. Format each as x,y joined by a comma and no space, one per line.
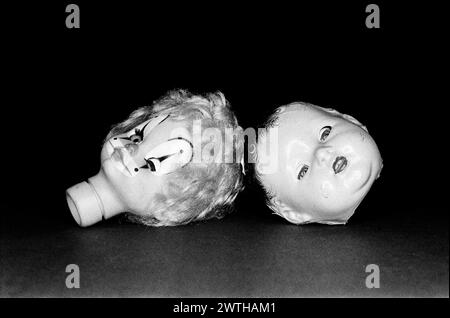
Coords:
326,164
137,163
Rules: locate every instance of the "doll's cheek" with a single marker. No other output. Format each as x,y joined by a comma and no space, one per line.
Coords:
358,179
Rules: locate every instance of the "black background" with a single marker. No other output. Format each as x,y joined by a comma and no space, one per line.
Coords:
65,88
69,86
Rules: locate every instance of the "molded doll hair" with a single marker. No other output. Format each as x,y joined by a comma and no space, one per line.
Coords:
272,200
199,190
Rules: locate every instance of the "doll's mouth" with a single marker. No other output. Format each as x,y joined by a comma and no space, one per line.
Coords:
118,157
120,160
116,152
339,164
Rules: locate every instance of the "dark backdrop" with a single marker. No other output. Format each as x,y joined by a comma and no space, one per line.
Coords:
64,89
69,86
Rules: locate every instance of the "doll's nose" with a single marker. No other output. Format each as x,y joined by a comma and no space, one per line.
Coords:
323,154
132,148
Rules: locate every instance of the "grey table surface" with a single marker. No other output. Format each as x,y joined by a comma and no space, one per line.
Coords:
243,255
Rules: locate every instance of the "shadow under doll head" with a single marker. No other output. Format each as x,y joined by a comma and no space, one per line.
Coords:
162,166
315,164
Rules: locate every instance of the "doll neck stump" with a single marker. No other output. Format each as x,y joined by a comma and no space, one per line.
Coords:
92,200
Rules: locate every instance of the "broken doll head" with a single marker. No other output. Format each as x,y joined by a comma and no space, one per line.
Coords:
151,167
316,164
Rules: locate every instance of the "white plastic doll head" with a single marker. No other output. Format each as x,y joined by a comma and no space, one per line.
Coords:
162,166
315,164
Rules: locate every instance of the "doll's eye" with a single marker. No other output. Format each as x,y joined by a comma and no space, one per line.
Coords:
150,165
138,135
324,133
302,172
136,138
154,163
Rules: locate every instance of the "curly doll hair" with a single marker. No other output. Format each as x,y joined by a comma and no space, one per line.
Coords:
199,190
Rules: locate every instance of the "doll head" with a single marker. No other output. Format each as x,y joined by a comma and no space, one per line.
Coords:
162,166
315,164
